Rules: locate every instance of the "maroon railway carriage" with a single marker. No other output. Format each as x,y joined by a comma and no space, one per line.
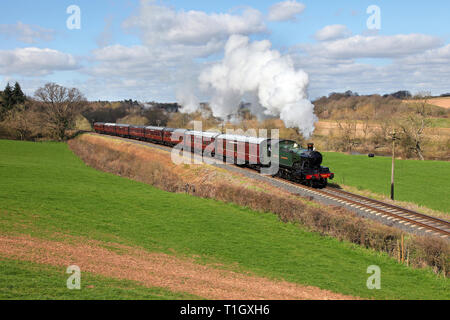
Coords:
123,130
137,132
110,128
154,134
243,149
172,137
295,163
99,127
239,149
199,141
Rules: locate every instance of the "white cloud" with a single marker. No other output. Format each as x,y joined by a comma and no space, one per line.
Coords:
153,72
332,32
35,62
285,11
434,56
26,33
374,46
142,72
415,72
174,42
134,62
159,24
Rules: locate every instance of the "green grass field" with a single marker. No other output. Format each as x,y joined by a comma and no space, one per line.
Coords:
45,191
440,122
426,183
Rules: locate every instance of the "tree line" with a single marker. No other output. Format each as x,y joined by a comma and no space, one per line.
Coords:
53,110
364,123
11,97
50,113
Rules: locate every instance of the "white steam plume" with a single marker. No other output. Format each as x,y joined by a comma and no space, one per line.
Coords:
187,100
252,69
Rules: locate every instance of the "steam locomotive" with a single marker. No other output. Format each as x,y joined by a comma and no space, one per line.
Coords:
294,162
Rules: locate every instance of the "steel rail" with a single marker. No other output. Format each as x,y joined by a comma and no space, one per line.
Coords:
373,208
389,205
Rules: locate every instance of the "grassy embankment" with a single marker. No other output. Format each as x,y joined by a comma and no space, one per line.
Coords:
425,183
46,192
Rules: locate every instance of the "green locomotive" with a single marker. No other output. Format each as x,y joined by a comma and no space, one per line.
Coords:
302,165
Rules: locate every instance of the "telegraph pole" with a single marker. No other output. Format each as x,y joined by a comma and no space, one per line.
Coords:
393,164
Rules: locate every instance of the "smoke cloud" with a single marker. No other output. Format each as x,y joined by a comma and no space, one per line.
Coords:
187,100
252,71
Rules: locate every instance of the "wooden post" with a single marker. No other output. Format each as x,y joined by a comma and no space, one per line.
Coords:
407,257
393,165
403,250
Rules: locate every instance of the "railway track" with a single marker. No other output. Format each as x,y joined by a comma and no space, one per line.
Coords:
403,214
426,224
408,219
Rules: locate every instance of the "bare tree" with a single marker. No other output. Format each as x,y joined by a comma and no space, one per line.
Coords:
60,107
366,129
347,132
156,116
21,123
414,124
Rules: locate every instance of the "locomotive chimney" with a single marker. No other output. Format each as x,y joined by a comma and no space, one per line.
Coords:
311,146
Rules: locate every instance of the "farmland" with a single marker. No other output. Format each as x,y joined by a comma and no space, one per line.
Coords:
48,194
443,102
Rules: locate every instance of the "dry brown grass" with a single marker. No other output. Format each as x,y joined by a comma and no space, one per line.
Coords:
154,166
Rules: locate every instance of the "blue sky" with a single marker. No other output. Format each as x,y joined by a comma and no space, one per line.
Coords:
82,62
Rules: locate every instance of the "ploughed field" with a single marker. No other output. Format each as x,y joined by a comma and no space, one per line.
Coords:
134,241
443,102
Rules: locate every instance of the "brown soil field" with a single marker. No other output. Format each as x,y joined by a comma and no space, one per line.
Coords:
328,127
156,270
443,102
